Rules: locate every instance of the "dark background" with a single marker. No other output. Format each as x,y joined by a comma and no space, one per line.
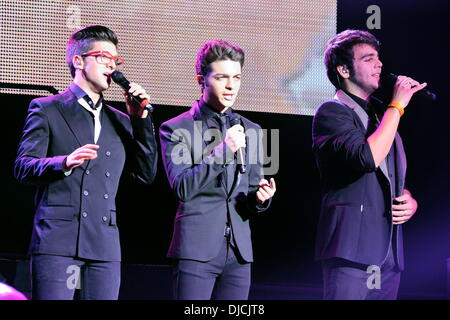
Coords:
414,37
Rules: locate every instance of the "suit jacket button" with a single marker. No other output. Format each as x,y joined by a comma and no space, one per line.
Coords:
85,192
105,196
108,153
107,174
84,214
87,171
104,218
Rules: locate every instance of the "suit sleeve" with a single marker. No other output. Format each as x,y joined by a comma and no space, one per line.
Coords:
256,173
32,165
187,178
338,140
142,157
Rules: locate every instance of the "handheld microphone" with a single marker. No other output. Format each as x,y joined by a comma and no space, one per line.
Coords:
236,119
120,79
424,92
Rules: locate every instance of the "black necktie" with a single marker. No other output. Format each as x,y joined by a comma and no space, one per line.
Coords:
222,119
228,174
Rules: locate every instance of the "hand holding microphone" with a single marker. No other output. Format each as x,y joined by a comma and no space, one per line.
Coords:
133,92
236,140
404,89
426,93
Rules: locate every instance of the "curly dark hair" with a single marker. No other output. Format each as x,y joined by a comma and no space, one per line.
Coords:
339,52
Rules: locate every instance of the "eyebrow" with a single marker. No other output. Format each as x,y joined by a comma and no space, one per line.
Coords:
368,55
226,75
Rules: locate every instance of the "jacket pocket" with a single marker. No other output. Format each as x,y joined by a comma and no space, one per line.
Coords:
112,219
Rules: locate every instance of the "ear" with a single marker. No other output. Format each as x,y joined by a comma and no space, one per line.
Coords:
343,71
200,80
78,62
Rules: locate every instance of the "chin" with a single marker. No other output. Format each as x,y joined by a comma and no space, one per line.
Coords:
103,87
227,104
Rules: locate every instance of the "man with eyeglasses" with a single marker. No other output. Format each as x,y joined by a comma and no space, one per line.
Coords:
74,148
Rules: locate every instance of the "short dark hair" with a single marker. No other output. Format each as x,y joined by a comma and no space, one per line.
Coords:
82,40
217,50
339,52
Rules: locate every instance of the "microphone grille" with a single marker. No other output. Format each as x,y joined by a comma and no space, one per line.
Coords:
119,78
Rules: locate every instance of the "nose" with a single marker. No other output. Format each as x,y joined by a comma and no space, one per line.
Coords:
112,64
229,84
379,63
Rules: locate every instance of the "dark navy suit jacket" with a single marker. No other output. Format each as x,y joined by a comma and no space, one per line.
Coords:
76,214
355,220
204,202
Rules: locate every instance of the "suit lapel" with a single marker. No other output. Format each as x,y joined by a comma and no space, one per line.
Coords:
200,147
400,165
76,119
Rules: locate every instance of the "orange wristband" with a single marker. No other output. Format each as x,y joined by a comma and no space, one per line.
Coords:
397,106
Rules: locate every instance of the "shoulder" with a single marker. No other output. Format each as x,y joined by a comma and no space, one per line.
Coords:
334,113
117,113
181,121
49,105
333,106
249,124
53,100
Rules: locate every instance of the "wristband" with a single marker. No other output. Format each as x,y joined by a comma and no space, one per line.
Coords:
397,106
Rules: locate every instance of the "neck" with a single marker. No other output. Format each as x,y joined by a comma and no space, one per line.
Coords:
95,96
223,110
359,92
219,109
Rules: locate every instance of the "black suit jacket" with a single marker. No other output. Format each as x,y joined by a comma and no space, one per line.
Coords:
355,220
76,214
193,168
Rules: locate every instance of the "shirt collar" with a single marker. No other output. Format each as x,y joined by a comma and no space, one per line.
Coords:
210,115
362,103
209,112
373,107
80,94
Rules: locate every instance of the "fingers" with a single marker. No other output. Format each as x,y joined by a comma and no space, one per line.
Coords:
272,184
406,205
88,151
401,216
265,183
419,87
261,198
404,88
263,194
85,155
90,146
134,108
125,94
77,157
405,209
138,91
265,190
235,138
